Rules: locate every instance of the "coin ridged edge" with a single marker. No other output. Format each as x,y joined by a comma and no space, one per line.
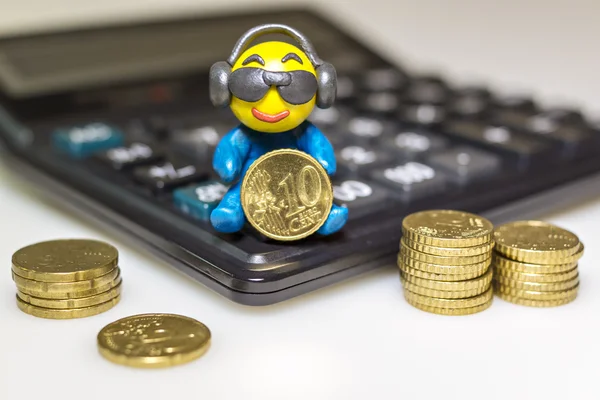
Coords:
534,295
456,286
274,153
477,268
66,287
73,313
537,286
72,303
470,251
451,311
169,360
536,303
438,277
561,265
538,278
442,260
450,303
72,295
442,294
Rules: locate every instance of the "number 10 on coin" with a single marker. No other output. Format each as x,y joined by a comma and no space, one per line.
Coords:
286,195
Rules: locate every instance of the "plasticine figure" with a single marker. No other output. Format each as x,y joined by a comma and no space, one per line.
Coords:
271,88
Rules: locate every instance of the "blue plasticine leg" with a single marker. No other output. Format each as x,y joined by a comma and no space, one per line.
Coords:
229,217
336,220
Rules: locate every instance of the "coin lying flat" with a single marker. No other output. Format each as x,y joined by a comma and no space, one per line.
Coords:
539,278
479,283
450,311
51,313
450,303
535,242
153,340
65,260
449,251
71,303
539,287
447,228
535,295
560,265
71,295
442,294
286,195
66,287
477,269
442,260
537,303
438,277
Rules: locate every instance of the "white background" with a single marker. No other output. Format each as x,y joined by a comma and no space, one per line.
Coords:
358,338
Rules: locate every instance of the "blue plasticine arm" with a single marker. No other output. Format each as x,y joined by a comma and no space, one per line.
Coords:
230,155
314,142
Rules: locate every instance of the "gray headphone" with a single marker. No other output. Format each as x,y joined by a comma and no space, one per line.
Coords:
220,94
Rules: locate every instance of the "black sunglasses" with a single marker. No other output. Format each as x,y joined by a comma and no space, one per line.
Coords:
251,84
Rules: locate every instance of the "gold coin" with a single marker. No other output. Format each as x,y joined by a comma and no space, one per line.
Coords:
53,313
65,287
447,228
65,260
449,251
286,195
450,311
70,295
442,294
450,303
540,278
535,295
537,303
439,277
153,340
71,303
559,267
480,283
478,268
537,286
535,242
442,260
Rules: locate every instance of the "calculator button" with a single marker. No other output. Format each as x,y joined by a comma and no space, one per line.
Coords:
384,79
197,144
199,200
86,140
346,88
411,144
131,155
167,175
522,149
465,164
365,130
428,90
360,197
326,117
357,159
469,102
379,102
412,180
422,114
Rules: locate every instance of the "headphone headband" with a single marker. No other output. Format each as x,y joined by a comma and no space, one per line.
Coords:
244,41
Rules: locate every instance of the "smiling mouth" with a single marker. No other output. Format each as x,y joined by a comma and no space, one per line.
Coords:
271,118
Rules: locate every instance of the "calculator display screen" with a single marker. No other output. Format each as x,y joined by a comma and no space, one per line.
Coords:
42,64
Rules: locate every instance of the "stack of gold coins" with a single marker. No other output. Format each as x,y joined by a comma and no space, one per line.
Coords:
444,262
65,279
535,264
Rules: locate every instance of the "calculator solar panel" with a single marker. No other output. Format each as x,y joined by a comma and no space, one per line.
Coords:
128,140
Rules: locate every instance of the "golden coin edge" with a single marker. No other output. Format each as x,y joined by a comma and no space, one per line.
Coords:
470,251
72,313
451,311
460,285
67,287
63,304
451,303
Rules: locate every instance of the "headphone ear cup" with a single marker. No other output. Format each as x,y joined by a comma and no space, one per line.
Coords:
327,85
218,85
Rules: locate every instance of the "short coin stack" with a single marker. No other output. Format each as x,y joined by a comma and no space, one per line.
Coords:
65,279
444,262
535,264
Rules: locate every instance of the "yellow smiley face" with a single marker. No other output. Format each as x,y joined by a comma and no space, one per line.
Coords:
271,113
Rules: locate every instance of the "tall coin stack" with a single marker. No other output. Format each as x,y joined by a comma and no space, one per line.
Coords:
65,279
444,262
535,264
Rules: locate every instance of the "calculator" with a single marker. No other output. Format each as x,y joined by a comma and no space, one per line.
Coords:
115,122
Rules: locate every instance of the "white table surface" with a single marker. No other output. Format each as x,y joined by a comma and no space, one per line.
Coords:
358,339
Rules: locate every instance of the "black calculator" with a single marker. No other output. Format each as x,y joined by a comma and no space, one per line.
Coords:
116,123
